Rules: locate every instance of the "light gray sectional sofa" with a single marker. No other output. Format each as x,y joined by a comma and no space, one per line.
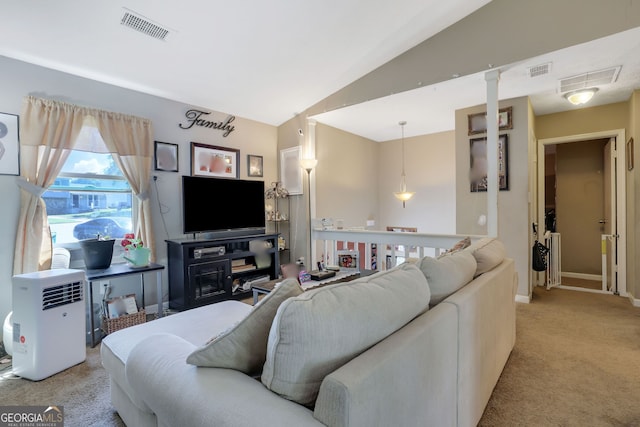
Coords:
422,344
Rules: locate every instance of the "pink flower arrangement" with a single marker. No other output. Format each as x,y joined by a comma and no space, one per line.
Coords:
130,242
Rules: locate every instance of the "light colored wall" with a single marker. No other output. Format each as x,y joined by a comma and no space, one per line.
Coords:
580,204
355,180
583,120
513,207
18,79
430,166
347,176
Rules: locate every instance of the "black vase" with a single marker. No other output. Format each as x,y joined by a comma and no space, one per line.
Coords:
97,253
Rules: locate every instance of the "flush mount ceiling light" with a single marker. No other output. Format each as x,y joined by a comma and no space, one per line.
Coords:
403,195
582,96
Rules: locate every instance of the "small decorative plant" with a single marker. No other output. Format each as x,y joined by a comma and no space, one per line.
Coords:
135,252
130,242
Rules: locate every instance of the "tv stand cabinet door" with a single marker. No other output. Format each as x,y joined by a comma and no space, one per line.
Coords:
209,281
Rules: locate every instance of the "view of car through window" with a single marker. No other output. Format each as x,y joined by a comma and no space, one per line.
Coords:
89,198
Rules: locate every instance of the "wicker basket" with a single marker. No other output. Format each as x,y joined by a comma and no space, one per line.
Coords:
111,325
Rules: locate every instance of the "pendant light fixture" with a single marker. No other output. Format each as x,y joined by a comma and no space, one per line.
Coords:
403,195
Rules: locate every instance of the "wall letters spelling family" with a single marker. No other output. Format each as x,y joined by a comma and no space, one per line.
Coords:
194,118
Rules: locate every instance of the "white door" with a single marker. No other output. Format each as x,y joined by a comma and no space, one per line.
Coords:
616,214
609,233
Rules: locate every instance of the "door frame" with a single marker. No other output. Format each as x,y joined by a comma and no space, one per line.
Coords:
621,194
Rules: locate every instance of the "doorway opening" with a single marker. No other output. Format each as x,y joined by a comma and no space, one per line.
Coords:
581,198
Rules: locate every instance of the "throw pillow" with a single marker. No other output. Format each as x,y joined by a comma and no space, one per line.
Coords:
446,275
317,332
489,252
243,347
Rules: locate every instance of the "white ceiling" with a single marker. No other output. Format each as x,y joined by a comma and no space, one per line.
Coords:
267,61
431,109
262,60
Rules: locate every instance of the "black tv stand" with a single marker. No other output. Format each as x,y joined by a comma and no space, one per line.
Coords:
205,271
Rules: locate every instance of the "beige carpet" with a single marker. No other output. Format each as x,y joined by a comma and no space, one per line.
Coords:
83,390
576,363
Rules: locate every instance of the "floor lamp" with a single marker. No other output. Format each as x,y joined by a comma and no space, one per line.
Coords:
308,165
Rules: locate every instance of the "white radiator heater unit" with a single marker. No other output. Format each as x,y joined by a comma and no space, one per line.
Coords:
554,260
48,322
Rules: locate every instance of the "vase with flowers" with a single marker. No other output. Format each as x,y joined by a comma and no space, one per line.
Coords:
134,251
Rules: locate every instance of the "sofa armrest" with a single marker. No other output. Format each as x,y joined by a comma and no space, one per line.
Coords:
487,331
410,376
185,395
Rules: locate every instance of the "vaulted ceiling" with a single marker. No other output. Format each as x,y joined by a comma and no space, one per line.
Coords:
269,61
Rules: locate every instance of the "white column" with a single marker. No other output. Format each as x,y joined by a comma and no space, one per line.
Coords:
492,77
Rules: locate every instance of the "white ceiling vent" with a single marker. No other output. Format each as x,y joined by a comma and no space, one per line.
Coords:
591,79
539,70
139,23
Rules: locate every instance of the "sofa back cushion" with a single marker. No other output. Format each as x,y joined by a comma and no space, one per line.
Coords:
317,332
244,345
489,252
447,274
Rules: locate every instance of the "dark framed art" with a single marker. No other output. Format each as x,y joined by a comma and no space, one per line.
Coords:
9,145
254,165
211,160
477,123
478,163
166,156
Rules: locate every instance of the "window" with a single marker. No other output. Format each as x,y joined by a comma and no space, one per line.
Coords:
90,196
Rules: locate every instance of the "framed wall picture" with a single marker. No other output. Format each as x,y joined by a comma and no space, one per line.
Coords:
9,145
630,149
290,170
254,165
477,123
478,163
166,156
211,160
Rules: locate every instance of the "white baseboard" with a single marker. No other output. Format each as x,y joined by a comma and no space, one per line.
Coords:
526,299
584,276
634,301
579,289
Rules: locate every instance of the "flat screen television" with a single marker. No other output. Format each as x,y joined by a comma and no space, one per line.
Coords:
222,207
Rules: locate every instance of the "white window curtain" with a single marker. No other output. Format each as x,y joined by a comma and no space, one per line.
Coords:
48,132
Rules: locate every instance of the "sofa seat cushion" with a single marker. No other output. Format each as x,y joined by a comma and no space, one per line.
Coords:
244,346
317,332
447,274
489,252
195,326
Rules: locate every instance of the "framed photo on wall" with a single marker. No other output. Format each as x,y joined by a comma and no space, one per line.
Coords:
290,170
166,156
9,145
478,163
254,165
211,160
478,122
